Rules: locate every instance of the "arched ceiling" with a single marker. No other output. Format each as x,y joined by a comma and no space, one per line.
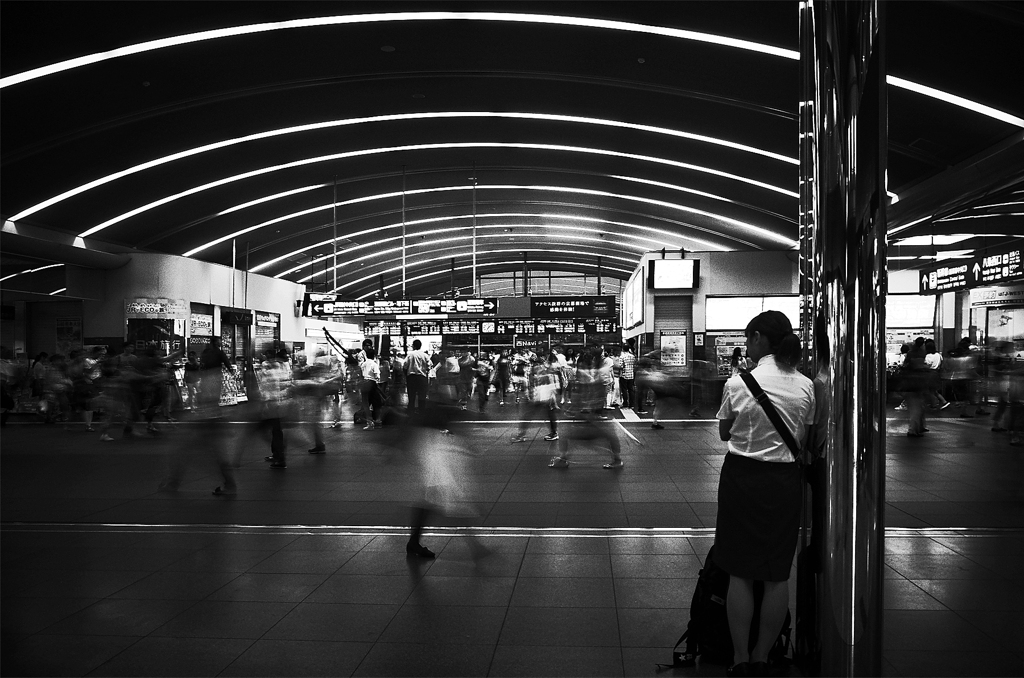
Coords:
578,135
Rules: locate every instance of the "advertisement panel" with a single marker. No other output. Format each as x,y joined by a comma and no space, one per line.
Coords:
572,307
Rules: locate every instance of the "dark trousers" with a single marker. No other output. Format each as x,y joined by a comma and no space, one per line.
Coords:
416,388
276,439
627,387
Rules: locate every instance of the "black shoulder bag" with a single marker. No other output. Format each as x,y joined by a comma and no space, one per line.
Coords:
773,415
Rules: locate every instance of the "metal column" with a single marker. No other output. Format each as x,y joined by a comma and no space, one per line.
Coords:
843,275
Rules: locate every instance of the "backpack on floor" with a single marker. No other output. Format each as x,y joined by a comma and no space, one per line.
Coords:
707,632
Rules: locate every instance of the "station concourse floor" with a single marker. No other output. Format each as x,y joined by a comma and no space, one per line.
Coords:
590,571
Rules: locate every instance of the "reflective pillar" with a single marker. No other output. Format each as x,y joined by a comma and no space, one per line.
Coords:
843,275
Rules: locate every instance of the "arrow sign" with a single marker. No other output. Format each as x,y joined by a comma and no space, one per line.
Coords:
976,270
924,281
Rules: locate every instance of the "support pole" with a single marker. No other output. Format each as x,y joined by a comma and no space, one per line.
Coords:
526,276
843,145
245,287
233,253
403,231
335,241
474,231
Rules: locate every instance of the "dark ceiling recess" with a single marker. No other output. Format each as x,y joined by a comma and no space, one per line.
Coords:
576,128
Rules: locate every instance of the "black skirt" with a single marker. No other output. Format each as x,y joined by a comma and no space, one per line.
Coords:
758,518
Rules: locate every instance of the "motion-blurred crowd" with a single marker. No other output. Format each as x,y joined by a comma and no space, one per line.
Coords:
967,380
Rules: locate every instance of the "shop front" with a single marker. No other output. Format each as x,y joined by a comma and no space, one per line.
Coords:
998,315
156,322
267,332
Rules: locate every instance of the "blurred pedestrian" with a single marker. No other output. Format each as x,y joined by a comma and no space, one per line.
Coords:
541,399
590,394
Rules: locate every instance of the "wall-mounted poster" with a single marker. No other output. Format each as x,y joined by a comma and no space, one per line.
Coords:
673,348
69,335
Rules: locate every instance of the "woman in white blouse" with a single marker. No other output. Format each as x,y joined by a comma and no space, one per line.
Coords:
759,489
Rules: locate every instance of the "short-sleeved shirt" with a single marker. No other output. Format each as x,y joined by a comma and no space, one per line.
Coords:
753,434
371,370
417,362
628,365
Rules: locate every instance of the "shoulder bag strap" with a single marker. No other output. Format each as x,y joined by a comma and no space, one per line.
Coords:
773,415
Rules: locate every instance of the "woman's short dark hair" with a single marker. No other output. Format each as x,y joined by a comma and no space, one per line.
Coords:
370,352
776,328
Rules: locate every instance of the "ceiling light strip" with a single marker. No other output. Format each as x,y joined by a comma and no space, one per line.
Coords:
555,189
443,241
447,271
502,215
233,31
581,22
955,100
375,151
31,270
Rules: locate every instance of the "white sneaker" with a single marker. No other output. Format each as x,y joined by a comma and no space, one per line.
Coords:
519,439
105,438
615,464
558,462
551,436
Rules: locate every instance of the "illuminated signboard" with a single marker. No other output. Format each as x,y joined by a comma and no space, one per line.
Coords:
392,327
998,268
488,327
413,329
572,307
455,306
460,327
560,327
601,326
992,267
324,305
666,274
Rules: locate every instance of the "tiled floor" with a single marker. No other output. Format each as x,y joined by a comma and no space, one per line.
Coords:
102,575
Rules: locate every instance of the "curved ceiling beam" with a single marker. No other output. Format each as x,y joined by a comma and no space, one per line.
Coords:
511,265
433,244
233,31
78,190
504,215
763,232
205,219
720,40
422,147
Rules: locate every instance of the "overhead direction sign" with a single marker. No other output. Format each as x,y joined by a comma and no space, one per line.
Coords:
992,268
455,306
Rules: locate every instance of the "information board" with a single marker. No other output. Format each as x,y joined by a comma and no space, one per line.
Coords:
431,327
389,327
996,266
560,327
572,307
601,326
455,306
329,305
460,327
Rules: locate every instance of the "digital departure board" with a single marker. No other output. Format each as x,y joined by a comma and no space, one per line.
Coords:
392,327
559,327
601,326
460,327
432,327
